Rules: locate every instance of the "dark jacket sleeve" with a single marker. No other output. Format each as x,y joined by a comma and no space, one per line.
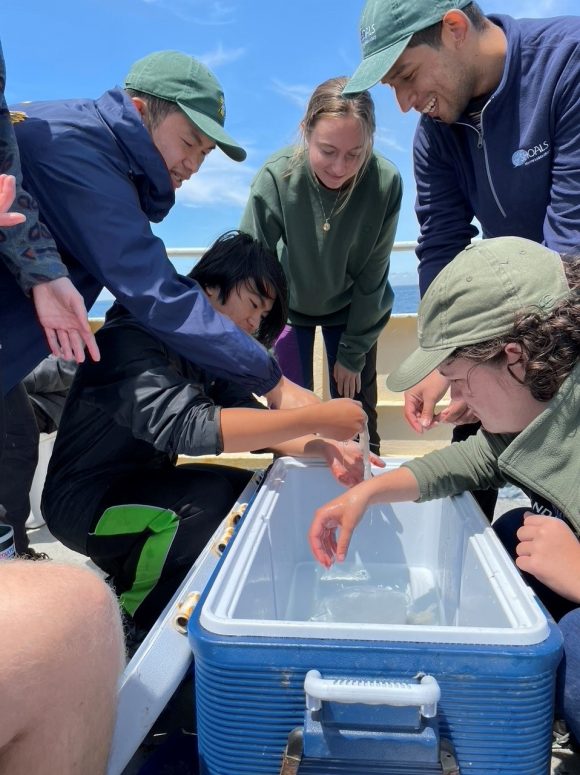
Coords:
140,386
94,210
27,249
443,213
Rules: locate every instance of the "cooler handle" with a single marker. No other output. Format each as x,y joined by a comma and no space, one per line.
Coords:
425,694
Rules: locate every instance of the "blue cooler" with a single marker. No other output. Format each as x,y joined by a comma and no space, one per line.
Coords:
424,652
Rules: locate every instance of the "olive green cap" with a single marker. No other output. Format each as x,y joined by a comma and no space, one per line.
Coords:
386,27
476,298
179,78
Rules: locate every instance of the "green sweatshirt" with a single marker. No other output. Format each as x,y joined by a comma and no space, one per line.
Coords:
544,458
338,277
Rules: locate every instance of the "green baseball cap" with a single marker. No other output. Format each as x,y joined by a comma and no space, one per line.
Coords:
476,297
386,27
179,78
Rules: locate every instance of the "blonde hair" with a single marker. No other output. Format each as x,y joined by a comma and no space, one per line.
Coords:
328,101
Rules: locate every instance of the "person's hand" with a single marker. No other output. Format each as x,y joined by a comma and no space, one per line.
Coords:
345,460
340,418
288,395
7,194
422,398
550,551
61,312
342,514
347,382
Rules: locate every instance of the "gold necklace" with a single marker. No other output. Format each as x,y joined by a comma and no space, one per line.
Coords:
326,224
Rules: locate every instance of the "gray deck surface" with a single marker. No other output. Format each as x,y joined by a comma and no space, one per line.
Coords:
563,763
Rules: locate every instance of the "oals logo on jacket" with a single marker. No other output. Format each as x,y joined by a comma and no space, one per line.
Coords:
535,153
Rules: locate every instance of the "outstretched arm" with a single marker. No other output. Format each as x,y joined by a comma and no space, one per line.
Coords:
245,429
334,523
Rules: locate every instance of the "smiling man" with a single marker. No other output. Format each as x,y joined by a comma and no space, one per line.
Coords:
101,170
497,137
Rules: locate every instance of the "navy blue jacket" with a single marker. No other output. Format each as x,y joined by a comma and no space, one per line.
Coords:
99,180
521,175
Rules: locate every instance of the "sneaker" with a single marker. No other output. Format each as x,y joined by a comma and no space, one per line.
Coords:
32,554
562,738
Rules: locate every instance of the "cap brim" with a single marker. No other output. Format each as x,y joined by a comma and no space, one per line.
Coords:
373,68
215,132
416,367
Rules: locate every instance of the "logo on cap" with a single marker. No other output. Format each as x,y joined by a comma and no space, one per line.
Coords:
367,34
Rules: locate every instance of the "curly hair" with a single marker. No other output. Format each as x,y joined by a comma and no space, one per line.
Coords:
550,343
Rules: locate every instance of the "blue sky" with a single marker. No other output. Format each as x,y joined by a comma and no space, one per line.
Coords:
268,54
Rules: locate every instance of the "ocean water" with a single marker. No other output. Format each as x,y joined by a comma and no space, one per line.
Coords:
406,300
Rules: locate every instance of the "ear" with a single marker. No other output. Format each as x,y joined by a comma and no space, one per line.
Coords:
514,353
454,29
140,106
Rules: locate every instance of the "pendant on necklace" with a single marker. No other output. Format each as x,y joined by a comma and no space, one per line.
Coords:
325,226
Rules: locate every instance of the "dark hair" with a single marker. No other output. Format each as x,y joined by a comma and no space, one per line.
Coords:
431,36
550,342
157,108
236,260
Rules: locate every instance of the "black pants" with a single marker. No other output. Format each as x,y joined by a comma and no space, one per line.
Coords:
294,350
154,525
18,462
485,498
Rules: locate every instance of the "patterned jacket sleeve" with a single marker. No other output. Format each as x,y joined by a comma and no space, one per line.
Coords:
27,249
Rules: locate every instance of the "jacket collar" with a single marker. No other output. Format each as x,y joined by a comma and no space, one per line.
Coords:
147,169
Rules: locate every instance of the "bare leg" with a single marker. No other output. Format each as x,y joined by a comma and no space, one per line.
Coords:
61,648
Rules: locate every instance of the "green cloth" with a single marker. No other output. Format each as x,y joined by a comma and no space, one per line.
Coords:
160,525
339,277
544,458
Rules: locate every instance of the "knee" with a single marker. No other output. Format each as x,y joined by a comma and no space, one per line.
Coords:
96,610
60,604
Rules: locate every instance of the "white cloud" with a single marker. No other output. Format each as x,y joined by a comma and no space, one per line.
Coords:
221,56
205,12
298,94
220,181
386,140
